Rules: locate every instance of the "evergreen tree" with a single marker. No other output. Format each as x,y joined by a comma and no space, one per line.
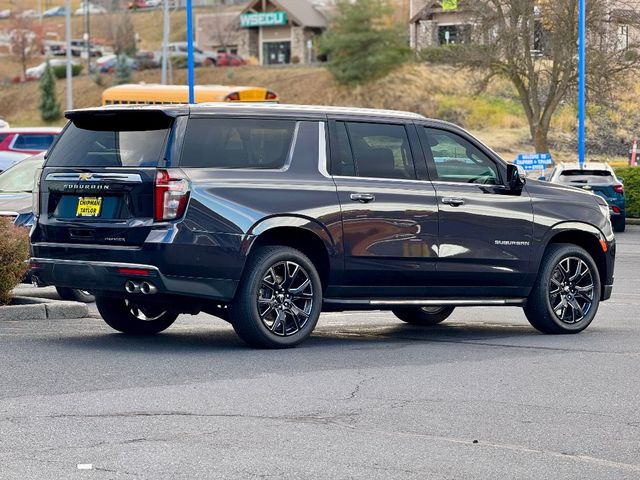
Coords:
49,106
363,41
123,70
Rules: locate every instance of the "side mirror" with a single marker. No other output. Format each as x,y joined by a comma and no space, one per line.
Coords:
515,181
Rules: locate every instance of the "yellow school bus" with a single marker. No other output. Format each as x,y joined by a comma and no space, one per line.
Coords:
155,94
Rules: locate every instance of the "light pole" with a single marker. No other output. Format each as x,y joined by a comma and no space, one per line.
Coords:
190,51
165,40
67,22
582,54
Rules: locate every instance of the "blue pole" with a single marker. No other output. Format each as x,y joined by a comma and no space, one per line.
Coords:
190,51
582,53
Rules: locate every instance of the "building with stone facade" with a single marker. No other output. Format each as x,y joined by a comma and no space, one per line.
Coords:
432,24
272,31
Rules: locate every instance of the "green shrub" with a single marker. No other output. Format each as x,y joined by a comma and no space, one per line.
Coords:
14,250
631,178
60,71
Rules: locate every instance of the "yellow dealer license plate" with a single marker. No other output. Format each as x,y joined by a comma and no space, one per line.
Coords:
89,206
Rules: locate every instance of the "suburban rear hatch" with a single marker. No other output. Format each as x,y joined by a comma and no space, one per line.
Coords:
108,178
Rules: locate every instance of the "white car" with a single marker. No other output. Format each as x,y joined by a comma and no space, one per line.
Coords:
200,57
5,13
93,9
27,14
55,12
9,158
34,73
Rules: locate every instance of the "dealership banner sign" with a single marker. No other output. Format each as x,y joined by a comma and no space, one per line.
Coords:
267,19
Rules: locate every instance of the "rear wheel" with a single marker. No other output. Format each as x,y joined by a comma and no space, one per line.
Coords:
134,318
566,295
279,299
423,316
75,295
620,224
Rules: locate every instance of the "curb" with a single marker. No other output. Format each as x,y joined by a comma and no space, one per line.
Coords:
633,221
29,308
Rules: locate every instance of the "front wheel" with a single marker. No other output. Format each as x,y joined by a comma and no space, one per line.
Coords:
134,318
279,299
566,294
423,316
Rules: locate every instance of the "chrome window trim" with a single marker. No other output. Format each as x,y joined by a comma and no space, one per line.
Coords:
322,150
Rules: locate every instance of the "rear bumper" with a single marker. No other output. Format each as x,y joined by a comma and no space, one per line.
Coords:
109,277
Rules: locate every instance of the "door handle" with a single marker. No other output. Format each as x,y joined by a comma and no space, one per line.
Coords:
454,202
363,197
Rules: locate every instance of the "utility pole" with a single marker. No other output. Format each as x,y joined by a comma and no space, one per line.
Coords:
165,40
582,84
67,24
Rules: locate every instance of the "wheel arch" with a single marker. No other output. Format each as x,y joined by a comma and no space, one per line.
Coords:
302,233
585,236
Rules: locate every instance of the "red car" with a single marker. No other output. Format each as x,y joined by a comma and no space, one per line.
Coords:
229,60
27,140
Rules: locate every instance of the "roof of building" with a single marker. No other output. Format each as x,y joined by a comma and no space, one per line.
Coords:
300,11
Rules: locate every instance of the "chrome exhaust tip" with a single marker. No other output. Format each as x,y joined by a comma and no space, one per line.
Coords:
148,288
132,287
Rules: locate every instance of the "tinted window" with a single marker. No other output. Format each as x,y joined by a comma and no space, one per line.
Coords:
33,141
342,159
586,176
237,143
381,150
111,144
456,160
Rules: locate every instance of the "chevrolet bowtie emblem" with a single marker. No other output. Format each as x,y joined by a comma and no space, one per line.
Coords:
86,176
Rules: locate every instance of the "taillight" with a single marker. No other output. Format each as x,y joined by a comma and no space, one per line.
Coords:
271,95
233,97
35,194
171,195
616,210
618,188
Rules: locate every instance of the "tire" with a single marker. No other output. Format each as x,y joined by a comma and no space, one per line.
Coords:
120,315
548,311
620,224
262,313
423,316
74,295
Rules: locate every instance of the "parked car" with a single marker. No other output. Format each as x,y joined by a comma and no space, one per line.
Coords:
4,123
16,190
108,63
179,50
229,60
30,13
9,158
598,178
92,9
138,4
264,215
27,140
55,12
6,13
35,73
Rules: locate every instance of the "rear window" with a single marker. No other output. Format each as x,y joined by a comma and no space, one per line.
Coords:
134,141
586,176
237,143
33,141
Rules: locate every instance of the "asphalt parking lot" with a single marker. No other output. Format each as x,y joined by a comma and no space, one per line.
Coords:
481,396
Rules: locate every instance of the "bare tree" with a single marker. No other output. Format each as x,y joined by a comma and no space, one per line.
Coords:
224,28
121,33
25,39
533,44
